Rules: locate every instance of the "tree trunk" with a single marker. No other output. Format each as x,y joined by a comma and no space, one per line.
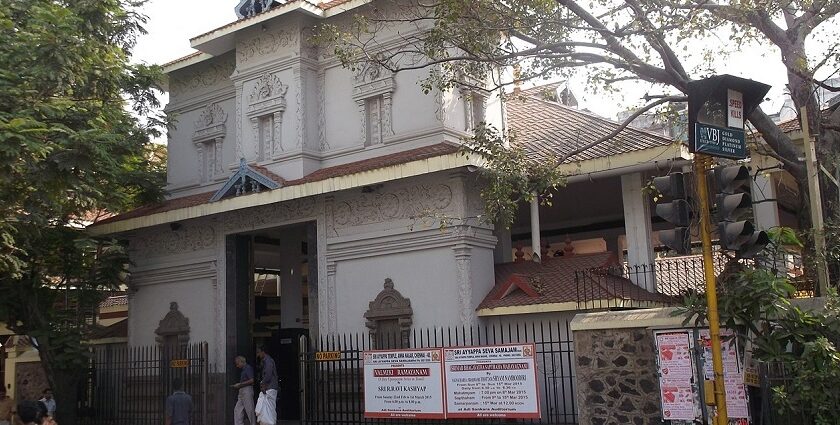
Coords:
64,383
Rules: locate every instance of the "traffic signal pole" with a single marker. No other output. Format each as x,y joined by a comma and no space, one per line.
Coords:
702,163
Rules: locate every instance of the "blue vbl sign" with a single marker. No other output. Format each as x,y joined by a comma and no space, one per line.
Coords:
719,141
718,107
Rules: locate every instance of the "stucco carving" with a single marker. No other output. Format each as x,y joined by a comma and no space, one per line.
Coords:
263,215
268,95
208,77
322,113
208,138
462,265
300,83
174,324
266,104
265,44
332,307
166,242
390,305
373,92
403,203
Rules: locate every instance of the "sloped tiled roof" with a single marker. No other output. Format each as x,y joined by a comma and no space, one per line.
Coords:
794,125
554,282
114,301
116,330
548,129
318,175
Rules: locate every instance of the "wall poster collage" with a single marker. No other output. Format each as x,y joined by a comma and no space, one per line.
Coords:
498,381
678,374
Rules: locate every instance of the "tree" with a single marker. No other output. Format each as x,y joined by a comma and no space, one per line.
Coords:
612,41
70,150
758,303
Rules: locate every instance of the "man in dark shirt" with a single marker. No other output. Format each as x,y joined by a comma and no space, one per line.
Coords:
269,371
179,405
245,396
268,387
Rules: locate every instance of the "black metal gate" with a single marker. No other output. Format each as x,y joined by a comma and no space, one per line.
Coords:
129,385
333,386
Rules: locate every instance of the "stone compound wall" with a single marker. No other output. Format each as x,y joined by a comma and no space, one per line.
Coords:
616,372
31,381
616,375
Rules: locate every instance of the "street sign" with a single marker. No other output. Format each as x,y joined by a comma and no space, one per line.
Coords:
180,363
327,355
717,109
719,141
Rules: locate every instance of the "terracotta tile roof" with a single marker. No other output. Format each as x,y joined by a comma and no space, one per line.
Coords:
181,59
793,124
554,282
114,301
548,129
370,164
117,330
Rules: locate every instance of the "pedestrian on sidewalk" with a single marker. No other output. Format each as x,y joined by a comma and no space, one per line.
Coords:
245,394
266,410
49,401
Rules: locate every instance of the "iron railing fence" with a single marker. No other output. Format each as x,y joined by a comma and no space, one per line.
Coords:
666,281
129,385
333,390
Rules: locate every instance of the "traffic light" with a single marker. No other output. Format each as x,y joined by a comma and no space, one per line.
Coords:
676,212
736,235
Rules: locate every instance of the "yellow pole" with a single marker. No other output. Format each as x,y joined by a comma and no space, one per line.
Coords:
701,164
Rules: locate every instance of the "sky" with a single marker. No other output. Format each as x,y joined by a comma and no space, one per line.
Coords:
172,23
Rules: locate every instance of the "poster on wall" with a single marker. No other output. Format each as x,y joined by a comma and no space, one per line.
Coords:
491,382
737,404
673,350
404,384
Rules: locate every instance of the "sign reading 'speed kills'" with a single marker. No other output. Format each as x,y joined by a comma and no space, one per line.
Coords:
404,384
491,382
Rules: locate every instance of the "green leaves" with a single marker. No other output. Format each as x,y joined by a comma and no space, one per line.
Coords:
758,302
70,148
511,177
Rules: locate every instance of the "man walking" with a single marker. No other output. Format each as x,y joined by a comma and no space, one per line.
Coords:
266,411
179,405
245,396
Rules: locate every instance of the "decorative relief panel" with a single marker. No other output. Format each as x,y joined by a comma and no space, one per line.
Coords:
265,44
183,240
266,104
208,77
404,203
373,93
264,215
208,138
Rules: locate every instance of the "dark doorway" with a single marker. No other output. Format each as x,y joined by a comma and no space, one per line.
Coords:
286,343
272,294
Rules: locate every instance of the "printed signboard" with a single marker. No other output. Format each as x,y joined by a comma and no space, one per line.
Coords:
737,404
404,384
675,375
491,382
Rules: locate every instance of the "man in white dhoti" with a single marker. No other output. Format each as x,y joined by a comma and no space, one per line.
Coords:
245,397
266,409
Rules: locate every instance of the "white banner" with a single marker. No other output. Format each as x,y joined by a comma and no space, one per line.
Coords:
404,384
491,382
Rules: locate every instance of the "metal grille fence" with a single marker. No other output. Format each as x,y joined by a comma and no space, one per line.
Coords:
129,385
333,390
